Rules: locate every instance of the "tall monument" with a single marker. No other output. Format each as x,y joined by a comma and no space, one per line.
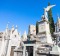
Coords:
43,27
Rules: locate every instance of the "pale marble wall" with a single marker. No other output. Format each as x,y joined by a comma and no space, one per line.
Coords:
32,29
18,53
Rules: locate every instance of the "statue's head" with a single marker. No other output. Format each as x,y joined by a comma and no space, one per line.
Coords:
43,17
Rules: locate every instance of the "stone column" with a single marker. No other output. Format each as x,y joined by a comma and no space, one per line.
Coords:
15,54
33,50
26,53
24,50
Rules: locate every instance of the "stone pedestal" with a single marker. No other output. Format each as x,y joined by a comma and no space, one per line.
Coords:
44,32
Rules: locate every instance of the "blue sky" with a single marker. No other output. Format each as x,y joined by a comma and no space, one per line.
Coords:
24,12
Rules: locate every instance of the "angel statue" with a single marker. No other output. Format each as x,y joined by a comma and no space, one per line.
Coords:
46,10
